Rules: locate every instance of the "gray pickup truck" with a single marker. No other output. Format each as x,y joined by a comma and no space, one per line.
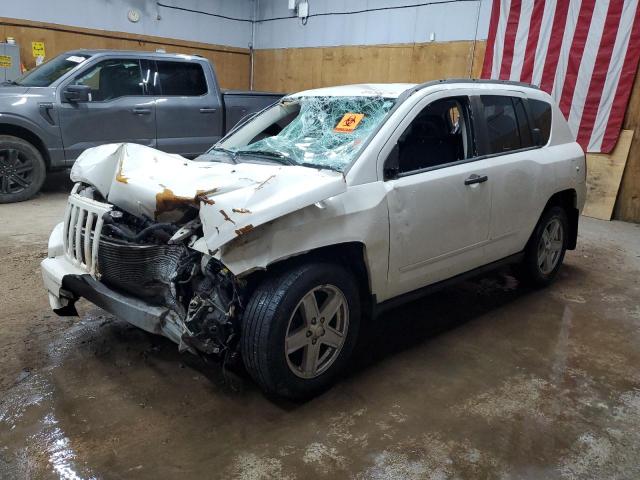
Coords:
85,98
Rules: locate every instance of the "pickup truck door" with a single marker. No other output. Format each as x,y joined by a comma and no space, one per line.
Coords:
189,109
439,198
118,110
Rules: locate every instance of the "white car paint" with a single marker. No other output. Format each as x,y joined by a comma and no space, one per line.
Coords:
416,230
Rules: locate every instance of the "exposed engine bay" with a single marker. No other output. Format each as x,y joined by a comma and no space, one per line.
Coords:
151,261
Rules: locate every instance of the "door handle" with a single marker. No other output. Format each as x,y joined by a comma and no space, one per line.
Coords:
473,178
207,110
141,111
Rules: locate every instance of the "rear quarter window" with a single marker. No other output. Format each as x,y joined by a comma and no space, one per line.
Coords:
181,79
541,115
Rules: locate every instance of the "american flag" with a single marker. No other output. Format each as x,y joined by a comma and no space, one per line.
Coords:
583,52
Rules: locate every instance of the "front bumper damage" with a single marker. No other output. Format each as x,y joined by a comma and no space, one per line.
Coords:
166,289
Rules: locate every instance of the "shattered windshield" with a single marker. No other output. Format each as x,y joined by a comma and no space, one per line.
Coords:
324,132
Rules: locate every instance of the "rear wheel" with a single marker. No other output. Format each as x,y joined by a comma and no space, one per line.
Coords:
546,248
22,169
299,329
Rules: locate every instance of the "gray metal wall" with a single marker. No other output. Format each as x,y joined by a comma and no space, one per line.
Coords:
112,15
447,21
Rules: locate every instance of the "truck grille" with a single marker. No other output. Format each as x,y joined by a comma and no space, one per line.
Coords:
82,226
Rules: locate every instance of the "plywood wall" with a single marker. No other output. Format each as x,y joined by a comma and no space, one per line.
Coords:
628,202
294,69
232,64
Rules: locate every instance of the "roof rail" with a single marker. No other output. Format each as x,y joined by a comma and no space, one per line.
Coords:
481,81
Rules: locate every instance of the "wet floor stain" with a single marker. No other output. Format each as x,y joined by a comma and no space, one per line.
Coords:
487,379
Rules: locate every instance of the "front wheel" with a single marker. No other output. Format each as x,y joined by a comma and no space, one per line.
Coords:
546,248
22,169
299,329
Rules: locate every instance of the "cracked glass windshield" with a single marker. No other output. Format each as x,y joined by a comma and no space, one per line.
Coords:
320,132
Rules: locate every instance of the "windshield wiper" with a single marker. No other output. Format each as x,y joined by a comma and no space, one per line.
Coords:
231,153
278,157
319,166
10,82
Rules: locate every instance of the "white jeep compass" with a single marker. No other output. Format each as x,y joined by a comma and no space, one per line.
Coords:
313,215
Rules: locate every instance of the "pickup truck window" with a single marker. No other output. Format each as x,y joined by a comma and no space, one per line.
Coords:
313,131
50,71
181,79
113,78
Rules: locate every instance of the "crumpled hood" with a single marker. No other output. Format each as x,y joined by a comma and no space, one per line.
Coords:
233,198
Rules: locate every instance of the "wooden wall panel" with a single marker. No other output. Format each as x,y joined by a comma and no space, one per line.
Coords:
628,202
294,69
232,64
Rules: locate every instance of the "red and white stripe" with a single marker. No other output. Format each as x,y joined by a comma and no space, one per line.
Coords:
583,52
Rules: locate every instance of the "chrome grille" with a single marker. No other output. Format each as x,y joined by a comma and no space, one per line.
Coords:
82,226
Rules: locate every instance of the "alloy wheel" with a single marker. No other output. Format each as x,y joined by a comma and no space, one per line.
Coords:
316,332
550,246
16,171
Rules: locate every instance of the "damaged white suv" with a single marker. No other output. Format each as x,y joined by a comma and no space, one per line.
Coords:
307,219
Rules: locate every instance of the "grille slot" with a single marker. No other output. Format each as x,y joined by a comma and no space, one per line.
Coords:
82,225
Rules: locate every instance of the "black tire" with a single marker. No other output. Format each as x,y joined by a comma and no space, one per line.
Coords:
531,271
22,169
266,321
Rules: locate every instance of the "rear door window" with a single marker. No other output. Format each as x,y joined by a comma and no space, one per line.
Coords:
503,133
541,116
181,79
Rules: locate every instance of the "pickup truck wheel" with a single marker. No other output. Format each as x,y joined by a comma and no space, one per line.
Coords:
546,248
22,169
299,329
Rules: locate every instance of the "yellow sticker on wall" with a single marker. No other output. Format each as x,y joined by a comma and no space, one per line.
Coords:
349,122
5,61
38,49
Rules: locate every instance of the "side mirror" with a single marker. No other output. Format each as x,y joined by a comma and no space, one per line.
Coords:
392,164
537,137
77,93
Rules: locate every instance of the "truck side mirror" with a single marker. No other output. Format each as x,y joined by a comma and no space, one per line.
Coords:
76,93
392,164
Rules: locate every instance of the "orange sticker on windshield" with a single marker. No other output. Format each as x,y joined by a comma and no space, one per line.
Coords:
349,122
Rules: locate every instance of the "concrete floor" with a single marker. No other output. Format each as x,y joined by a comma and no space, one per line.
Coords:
484,380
